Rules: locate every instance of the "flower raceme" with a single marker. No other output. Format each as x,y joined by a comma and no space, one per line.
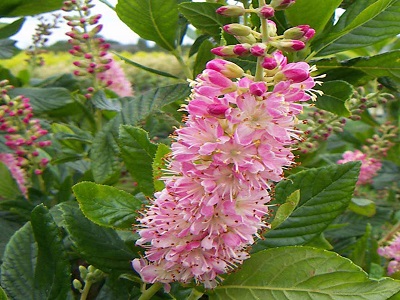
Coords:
392,251
237,140
369,166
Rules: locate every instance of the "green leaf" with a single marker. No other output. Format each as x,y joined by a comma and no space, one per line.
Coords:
365,250
294,273
105,151
106,205
15,8
138,153
203,17
19,263
44,100
52,272
362,24
8,228
363,207
320,242
101,101
155,20
159,164
8,186
7,30
104,154
380,28
382,65
204,55
99,246
7,48
336,93
324,194
154,71
315,13
284,210
3,295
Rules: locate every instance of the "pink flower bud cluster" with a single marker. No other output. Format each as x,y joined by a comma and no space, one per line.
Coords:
115,74
11,162
90,49
23,133
236,141
392,251
369,165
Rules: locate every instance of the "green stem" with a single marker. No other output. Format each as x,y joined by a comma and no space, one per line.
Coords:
86,290
185,67
147,294
264,38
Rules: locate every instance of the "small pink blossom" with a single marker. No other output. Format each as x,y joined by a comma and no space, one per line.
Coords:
369,166
392,251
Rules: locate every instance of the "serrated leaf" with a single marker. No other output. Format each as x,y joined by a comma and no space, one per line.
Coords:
99,246
364,207
324,194
159,163
358,19
106,205
105,151
8,30
203,17
52,272
294,273
383,26
155,20
15,8
336,93
138,153
8,186
365,250
285,209
101,101
104,154
44,100
359,70
19,263
7,48
8,228
315,13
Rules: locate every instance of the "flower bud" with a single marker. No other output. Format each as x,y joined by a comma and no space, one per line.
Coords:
223,51
258,88
269,63
217,110
241,49
301,32
272,30
237,29
281,4
231,11
288,45
266,12
250,39
226,68
258,49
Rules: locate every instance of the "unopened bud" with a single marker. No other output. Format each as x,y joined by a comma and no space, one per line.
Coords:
289,45
258,88
217,110
269,63
301,32
249,39
226,68
266,12
224,51
237,29
281,4
242,49
258,49
272,30
231,11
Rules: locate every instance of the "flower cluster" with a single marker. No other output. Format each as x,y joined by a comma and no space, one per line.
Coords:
372,153
12,164
369,166
392,251
93,59
23,134
115,74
